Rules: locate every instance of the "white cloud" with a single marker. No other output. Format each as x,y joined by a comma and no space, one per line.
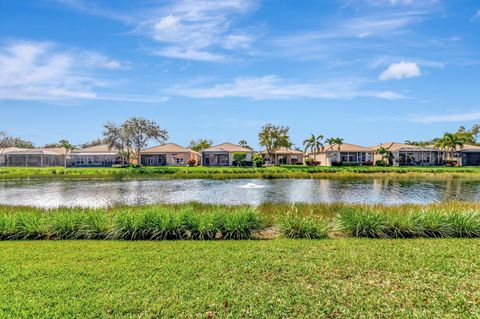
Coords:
274,88
42,71
187,29
190,54
410,3
402,70
457,117
476,16
192,28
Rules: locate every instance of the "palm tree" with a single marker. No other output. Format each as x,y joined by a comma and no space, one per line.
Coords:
339,142
449,143
314,143
384,153
330,141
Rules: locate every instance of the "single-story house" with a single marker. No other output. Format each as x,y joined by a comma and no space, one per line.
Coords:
283,156
410,155
33,157
223,154
100,155
7,149
169,154
345,153
468,155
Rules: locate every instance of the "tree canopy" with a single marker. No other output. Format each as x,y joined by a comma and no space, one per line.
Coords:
200,144
274,137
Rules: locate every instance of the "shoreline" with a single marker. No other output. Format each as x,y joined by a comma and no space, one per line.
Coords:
223,173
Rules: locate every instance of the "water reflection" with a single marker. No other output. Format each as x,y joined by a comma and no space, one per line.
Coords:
139,192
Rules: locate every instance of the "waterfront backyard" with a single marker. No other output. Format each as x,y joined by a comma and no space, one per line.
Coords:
382,246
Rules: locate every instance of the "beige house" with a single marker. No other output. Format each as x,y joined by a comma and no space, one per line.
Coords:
410,155
283,156
169,154
95,156
346,153
34,157
223,154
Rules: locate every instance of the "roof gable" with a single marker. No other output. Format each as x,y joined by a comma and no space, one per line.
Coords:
347,147
167,148
227,147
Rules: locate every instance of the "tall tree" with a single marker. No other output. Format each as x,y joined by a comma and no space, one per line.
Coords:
140,131
274,137
330,141
116,138
244,143
339,143
313,143
450,142
201,144
7,140
94,142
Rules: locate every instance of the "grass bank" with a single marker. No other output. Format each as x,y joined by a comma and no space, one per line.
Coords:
287,171
208,222
345,278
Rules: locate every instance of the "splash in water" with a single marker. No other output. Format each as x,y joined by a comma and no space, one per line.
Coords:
252,186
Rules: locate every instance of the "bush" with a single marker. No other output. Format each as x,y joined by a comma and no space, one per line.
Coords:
381,163
192,162
257,160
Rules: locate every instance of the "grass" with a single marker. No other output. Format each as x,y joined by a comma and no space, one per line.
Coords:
426,222
284,278
129,223
207,222
286,171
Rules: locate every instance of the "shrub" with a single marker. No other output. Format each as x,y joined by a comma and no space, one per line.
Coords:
192,162
257,160
381,163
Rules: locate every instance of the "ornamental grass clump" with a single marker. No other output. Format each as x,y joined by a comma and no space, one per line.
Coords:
153,224
363,222
200,226
297,225
238,224
31,225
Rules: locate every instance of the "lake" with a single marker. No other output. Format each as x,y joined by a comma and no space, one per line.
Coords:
102,193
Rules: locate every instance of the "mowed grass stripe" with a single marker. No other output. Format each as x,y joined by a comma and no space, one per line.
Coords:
285,278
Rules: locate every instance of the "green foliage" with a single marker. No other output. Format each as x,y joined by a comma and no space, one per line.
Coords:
199,145
258,160
422,222
274,137
381,163
239,158
296,225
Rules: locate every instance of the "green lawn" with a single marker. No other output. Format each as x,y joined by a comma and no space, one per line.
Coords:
287,171
281,278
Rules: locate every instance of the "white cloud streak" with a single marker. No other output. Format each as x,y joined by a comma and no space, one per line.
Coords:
41,71
197,30
401,70
274,88
456,117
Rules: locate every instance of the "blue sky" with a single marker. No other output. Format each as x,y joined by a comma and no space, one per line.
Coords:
369,71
